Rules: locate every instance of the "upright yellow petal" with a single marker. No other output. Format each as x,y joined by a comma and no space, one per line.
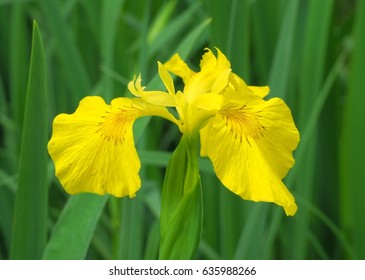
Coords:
213,77
177,66
250,145
237,88
166,78
221,81
209,61
93,149
208,102
135,86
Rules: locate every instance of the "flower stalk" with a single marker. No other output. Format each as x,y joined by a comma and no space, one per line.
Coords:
181,208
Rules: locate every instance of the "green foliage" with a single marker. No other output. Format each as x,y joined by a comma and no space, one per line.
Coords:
181,208
74,232
310,53
352,149
31,201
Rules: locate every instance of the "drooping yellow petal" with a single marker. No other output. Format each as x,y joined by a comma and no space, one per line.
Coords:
250,146
93,149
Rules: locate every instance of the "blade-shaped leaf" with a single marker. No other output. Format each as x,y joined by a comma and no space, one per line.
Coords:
75,227
352,146
181,208
30,222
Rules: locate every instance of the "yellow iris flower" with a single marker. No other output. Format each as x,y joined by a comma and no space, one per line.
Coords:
248,139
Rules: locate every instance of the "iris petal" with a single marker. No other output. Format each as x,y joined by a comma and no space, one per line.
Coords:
208,102
158,98
250,146
166,78
177,66
210,62
213,77
260,91
93,149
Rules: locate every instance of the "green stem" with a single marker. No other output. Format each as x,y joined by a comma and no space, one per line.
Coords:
181,207
192,172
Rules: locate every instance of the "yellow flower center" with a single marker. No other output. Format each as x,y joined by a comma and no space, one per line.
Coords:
243,124
114,125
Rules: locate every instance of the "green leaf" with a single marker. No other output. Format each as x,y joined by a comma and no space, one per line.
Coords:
110,14
153,241
254,230
75,227
19,55
190,40
6,221
131,230
173,29
352,147
307,134
7,2
229,19
280,70
265,33
76,76
30,222
161,159
311,79
161,20
181,207
181,236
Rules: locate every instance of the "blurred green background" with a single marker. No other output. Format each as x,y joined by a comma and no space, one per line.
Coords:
310,53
